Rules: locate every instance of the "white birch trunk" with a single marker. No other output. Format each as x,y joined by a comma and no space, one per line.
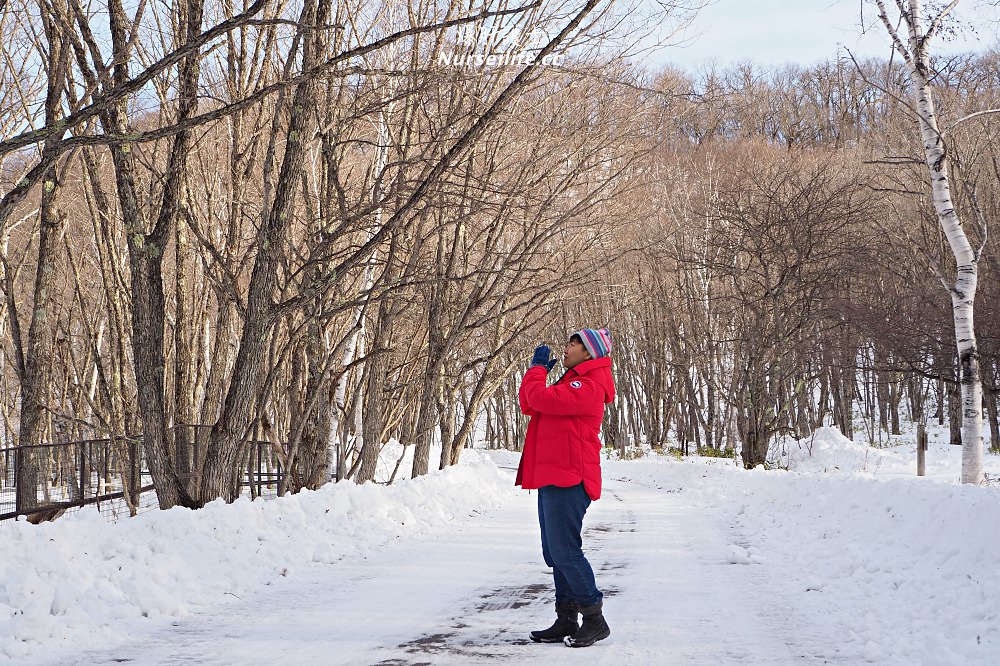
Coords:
963,291
358,316
355,348
357,403
92,389
339,398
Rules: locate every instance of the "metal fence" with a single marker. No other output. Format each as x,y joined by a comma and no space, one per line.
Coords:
262,474
43,481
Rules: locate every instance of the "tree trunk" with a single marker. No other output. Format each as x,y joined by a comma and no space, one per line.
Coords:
218,364
374,422
227,446
426,416
994,418
882,395
963,291
146,250
752,419
314,450
915,388
822,402
446,419
123,410
432,384
36,382
184,384
939,411
358,315
954,414
39,357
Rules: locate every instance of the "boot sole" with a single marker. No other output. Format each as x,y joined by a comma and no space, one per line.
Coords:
569,642
539,639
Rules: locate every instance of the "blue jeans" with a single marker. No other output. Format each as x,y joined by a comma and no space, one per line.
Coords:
560,516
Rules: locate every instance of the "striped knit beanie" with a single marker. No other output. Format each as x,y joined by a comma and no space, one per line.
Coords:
598,342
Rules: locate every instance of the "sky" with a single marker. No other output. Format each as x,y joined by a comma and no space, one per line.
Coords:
778,32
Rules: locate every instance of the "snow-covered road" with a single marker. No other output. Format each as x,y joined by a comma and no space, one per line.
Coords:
471,594
853,560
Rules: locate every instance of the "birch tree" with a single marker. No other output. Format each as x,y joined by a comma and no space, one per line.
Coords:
914,47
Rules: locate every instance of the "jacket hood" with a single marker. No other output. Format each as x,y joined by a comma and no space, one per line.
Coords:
598,370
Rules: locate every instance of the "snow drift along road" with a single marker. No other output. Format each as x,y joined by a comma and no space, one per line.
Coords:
702,562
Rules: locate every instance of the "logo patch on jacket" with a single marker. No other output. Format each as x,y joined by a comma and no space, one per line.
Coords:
575,384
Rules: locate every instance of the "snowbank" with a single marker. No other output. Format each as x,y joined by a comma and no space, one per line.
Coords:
849,558
83,582
892,568
905,571
827,450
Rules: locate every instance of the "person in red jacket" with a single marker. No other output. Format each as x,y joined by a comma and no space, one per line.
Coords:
561,458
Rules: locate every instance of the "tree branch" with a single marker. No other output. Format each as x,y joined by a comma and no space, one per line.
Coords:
973,194
893,33
936,23
101,102
460,145
881,89
958,122
163,132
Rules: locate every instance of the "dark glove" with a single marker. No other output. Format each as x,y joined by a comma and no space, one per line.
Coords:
541,357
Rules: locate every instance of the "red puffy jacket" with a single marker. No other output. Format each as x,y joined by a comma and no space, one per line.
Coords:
562,447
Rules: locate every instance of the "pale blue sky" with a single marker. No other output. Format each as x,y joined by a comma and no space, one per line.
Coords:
776,32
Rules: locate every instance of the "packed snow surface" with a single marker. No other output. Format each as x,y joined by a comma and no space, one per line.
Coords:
844,557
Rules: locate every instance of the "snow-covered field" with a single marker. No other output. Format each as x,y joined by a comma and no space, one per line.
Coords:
848,558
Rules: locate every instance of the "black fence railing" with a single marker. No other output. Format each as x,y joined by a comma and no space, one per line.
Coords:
262,472
264,475
43,481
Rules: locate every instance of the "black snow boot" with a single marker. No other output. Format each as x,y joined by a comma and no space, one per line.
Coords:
565,624
594,627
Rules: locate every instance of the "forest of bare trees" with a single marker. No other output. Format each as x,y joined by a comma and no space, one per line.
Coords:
303,223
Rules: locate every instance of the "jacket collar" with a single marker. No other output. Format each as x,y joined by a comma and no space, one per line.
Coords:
591,365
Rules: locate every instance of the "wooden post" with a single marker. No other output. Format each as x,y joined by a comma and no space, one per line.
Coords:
135,474
83,470
921,448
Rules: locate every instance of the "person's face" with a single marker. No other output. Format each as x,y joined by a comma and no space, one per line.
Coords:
574,354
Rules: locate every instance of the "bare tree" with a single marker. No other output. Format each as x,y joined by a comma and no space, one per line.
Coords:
36,380
915,49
